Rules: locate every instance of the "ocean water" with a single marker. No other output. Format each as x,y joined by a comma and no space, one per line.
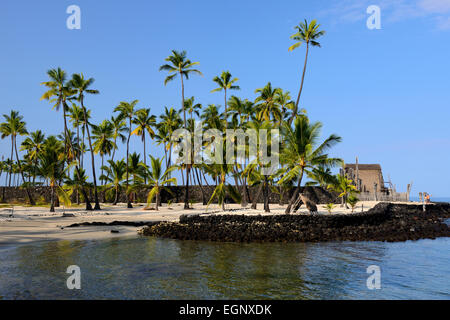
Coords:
152,268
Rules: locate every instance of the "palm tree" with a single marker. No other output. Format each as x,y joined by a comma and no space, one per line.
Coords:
81,86
158,180
268,103
119,128
59,92
180,65
344,186
144,122
225,82
127,111
212,118
12,127
302,152
76,117
51,167
306,33
103,140
33,145
116,173
170,121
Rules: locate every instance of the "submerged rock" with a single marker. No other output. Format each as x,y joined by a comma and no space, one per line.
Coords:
384,222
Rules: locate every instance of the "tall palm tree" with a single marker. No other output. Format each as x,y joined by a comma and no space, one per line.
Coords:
81,86
144,122
12,127
180,65
268,103
33,145
225,82
58,93
127,111
158,180
302,151
103,140
307,33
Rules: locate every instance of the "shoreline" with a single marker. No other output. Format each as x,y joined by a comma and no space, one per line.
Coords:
33,224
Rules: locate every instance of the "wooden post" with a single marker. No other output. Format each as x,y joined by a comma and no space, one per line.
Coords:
375,190
357,175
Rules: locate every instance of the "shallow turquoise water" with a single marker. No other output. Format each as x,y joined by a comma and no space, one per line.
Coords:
151,268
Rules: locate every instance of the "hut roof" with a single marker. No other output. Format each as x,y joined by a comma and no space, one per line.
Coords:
375,166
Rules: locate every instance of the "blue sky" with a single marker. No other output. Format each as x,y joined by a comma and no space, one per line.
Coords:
386,92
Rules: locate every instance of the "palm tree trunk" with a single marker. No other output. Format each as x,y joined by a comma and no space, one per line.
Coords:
295,195
255,199
116,197
52,199
186,194
294,113
266,195
204,202
157,201
97,204
30,198
145,156
77,170
226,109
128,150
11,167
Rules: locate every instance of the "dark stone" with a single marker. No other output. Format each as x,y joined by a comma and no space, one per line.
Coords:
384,222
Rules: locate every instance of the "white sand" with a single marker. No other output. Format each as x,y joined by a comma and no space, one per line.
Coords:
30,224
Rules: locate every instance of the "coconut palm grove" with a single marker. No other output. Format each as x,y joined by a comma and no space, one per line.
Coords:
66,161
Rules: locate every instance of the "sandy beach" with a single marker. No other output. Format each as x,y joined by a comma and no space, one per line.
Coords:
30,224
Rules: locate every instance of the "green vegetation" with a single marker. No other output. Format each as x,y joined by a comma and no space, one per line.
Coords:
352,200
58,160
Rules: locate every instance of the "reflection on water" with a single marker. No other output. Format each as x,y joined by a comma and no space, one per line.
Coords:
151,268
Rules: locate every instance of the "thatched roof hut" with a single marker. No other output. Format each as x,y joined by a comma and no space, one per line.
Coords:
365,176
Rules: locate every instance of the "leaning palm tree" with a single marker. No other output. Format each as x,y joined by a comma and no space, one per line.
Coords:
180,65
12,127
127,111
225,82
82,86
103,140
302,152
158,180
144,122
307,33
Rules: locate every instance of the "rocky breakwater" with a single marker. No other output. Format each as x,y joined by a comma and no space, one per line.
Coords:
385,222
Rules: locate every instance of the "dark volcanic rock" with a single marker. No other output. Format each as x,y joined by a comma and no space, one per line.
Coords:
384,222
